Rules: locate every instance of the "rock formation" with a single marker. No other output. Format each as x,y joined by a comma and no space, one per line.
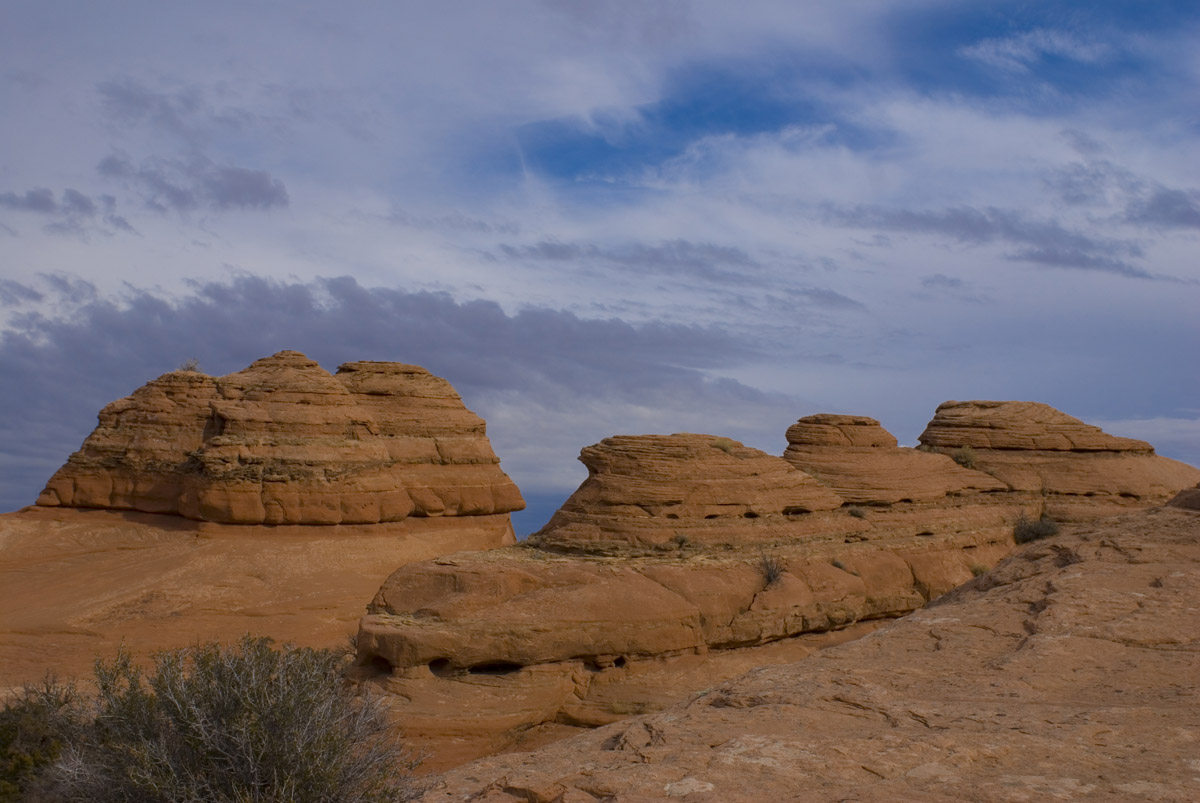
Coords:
284,442
1067,672
1188,499
861,460
146,535
681,561
1034,448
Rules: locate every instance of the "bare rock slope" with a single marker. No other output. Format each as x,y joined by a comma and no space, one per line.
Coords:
1067,672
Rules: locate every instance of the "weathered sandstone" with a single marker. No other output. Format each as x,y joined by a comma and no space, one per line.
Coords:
147,535
680,561
283,442
684,559
1188,499
1067,672
860,460
1034,448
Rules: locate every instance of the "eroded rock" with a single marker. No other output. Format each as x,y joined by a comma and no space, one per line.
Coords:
284,442
1034,448
1064,673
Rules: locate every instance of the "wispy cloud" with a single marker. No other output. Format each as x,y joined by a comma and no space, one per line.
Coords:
1021,52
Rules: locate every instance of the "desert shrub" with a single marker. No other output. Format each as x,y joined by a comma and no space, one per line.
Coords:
35,725
964,456
1026,529
726,445
857,512
680,540
190,364
246,723
978,569
771,569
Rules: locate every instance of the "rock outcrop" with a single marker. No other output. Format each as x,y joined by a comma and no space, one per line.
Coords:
681,561
1032,447
147,535
285,443
861,460
1066,672
685,559
1188,499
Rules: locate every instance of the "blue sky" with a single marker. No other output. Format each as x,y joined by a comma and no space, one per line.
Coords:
600,218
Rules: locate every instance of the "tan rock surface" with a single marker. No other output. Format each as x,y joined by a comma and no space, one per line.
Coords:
654,580
1067,672
1033,447
654,489
861,461
283,442
75,584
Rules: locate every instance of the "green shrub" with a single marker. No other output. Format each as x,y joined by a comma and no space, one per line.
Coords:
726,445
1026,529
35,724
978,569
964,456
243,723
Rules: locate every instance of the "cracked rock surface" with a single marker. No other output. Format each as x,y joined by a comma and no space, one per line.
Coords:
1067,672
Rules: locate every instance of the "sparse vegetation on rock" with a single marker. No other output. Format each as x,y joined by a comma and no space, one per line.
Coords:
246,722
1027,529
964,456
771,569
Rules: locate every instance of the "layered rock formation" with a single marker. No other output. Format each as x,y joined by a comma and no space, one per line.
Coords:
146,536
284,442
1067,672
861,460
680,561
1032,447
685,559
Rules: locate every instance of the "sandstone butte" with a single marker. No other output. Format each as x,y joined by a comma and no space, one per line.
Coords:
686,560
273,500
1067,672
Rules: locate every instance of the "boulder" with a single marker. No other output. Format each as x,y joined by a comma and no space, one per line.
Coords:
283,442
862,462
1187,499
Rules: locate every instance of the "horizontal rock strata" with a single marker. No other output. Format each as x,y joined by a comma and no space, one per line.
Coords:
1033,447
683,559
1067,672
285,443
861,461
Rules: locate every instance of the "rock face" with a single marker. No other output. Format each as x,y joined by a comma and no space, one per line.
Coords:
681,560
1067,672
655,489
860,460
1033,447
285,443
685,559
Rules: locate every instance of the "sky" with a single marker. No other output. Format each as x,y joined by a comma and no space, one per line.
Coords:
600,218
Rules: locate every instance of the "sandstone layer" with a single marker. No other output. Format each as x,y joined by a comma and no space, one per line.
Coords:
284,442
861,460
686,558
151,533
681,560
76,584
1032,447
1067,672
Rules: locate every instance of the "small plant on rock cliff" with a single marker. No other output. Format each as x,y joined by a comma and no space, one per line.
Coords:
1027,529
857,512
771,569
246,722
724,444
978,569
35,724
964,456
190,364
